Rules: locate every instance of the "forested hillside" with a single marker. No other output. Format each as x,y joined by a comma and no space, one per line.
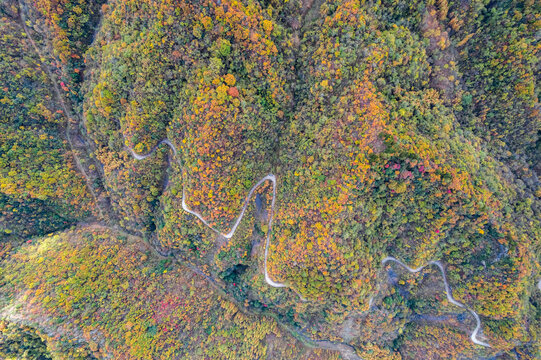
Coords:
41,189
265,179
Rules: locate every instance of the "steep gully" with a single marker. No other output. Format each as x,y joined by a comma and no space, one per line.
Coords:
79,148
270,177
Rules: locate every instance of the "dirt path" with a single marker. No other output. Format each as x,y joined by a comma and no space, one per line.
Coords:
77,146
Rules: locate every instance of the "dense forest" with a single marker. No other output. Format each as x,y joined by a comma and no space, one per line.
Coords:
266,179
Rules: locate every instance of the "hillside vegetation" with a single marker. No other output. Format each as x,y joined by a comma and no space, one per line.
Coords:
383,129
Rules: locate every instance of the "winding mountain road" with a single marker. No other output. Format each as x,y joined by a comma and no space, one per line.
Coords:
230,234
268,280
448,293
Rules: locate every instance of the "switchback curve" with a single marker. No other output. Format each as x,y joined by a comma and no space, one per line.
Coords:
229,235
448,293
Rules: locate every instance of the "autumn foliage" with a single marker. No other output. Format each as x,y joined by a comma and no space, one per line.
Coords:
393,128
